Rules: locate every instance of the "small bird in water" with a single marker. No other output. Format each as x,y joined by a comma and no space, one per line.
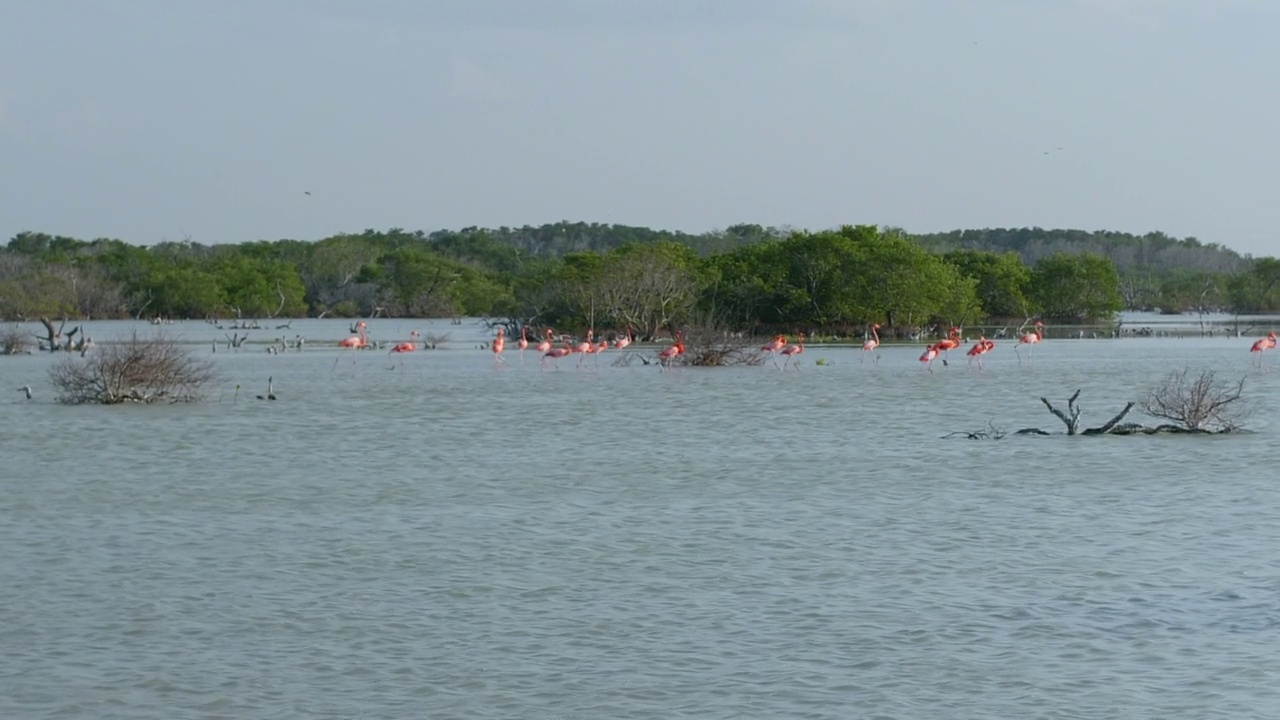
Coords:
270,395
26,389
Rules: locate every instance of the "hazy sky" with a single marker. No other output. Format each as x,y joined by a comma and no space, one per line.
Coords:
150,120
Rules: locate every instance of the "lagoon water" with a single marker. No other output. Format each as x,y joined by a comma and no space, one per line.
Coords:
429,536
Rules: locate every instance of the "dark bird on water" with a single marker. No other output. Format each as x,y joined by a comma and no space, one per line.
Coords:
270,395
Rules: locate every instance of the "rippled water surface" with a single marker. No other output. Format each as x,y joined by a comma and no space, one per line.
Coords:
431,536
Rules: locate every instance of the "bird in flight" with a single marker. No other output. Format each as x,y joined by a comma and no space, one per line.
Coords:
306,192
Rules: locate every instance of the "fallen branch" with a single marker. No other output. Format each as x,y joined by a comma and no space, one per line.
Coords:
991,433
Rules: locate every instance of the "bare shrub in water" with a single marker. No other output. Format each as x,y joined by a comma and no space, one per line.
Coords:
1197,403
13,341
141,370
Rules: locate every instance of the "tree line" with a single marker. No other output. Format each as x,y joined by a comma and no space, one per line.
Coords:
746,277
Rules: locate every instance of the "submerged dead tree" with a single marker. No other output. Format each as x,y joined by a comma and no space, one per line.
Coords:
53,340
1194,405
713,345
1071,418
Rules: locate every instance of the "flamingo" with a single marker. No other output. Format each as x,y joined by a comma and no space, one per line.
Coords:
790,352
951,342
871,345
555,353
623,341
545,345
1031,338
1263,345
410,346
668,356
499,343
930,354
773,346
586,347
980,348
523,342
358,341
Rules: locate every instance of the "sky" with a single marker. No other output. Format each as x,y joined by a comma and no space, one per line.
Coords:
211,120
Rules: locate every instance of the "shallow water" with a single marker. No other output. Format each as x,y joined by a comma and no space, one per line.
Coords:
431,536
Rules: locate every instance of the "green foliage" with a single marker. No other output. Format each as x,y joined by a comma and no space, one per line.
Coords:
1257,290
899,283
1076,288
577,276
1187,290
1001,280
179,291
259,287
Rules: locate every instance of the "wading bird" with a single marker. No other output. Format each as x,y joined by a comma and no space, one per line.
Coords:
1031,338
791,353
1261,346
870,345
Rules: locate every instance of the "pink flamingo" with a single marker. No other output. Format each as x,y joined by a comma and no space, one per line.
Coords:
790,352
523,342
668,356
773,346
555,353
405,347
586,347
1031,338
623,341
499,343
951,342
545,345
930,354
980,348
358,341
1263,345
870,345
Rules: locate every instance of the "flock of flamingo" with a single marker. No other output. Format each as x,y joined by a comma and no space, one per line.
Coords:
552,352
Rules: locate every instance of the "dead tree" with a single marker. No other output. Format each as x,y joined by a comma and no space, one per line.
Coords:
1071,418
140,370
713,346
53,340
234,342
1194,405
1199,403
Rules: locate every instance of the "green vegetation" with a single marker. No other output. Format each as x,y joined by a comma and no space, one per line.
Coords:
577,275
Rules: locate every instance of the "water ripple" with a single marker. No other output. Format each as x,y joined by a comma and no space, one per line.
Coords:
450,540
